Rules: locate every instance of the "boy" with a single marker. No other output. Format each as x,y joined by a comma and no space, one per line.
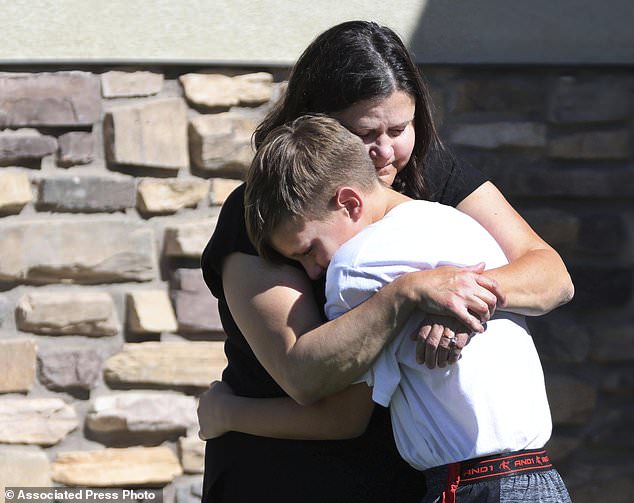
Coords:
313,196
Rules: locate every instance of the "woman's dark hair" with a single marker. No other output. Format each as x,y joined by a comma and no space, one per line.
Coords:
352,62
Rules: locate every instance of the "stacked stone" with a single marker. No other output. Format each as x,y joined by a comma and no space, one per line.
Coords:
111,183
558,143
110,187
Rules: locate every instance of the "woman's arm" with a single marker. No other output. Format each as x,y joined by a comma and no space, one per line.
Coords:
275,310
536,280
343,415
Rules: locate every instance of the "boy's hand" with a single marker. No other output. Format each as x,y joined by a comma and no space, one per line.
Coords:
440,340
212,413
461,292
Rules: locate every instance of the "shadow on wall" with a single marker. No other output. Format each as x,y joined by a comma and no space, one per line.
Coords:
541,31
540,97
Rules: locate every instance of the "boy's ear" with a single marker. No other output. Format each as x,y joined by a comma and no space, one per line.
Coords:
350,199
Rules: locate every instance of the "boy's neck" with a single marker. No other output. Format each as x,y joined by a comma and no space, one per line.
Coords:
382,200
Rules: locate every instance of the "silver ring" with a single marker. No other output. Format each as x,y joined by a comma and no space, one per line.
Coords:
451,340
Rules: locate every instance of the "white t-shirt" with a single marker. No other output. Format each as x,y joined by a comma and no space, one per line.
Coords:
493,400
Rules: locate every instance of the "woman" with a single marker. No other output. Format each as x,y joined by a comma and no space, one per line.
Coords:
361,74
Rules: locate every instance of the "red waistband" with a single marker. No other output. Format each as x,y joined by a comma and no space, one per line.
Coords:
497,465
504,464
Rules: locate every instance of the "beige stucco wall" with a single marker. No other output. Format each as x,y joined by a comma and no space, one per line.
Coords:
271,31
275,31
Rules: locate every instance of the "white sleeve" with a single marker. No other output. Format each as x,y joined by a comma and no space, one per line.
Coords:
385,374
347,287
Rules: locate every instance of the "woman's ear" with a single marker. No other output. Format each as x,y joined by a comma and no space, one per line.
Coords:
351,200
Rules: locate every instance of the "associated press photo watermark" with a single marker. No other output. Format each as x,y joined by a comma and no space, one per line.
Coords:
81,495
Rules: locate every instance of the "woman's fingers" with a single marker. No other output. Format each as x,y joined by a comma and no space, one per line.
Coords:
433,348
460,341
440,341
420,336
427,347
446,343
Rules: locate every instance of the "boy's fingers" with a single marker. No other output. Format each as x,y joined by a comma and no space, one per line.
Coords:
470,321
493,287
479,267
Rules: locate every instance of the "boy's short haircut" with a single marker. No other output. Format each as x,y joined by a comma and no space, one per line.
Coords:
296,172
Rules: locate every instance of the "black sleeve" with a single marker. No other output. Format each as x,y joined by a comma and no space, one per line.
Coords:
450,180
229,236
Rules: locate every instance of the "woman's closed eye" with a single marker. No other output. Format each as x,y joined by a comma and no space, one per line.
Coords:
364,135
396,131
370,135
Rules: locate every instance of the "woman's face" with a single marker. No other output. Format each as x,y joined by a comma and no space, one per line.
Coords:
386,126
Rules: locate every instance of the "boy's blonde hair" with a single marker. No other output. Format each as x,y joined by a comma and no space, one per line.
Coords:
296,172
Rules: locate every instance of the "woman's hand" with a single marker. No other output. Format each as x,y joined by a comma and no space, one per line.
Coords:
440,340
460,292
211,413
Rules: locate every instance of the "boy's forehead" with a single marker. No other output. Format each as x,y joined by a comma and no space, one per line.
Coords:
286,237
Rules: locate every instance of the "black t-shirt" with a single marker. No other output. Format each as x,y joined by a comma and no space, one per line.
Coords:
242,467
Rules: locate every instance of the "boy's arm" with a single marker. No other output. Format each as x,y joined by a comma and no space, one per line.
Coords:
343,415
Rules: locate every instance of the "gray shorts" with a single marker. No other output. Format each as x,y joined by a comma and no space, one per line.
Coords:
542,485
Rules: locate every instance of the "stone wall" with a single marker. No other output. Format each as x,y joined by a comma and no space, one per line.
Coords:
110,184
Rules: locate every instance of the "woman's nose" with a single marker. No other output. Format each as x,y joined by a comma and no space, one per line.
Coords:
381,150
